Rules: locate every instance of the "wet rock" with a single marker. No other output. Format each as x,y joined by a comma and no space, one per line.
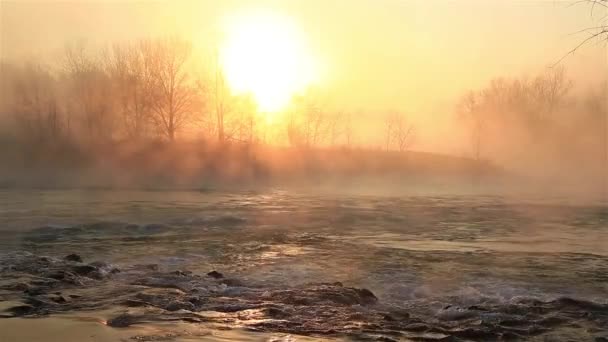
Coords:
147,267
385,339
325,293
396,316
44,282
475,334
104,268
168,299
514,321
39,302
123,321
416,327
16,287
453,313
73,258
357,316
95,270
22,310
552,321
566,302
60,299
215,275
477,308
178,305
321,308
167,281
197,301
155,228
84,270
511,336
45,260
35,291
134,303
276,312
348,296
66,277
367,297
232,282
126,319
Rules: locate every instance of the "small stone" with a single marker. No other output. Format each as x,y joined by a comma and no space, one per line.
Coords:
60,299
122,321
196,300
73,257
177,305
84,269
215,274
367,296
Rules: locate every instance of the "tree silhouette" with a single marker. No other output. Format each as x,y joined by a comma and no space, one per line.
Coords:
398,131
129,69
175,96
88,92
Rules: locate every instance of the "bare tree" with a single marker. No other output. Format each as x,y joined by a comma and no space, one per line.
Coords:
348,129
241,119
35,103
88,90
398,131
308,124
599,30
469,108
175,97
388,131
336,129
220,99
129,69
404,134
549,89
597,106
403,131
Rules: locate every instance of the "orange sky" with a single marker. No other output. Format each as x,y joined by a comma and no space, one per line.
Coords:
416,56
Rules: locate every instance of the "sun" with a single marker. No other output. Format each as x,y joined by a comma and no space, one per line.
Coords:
266,55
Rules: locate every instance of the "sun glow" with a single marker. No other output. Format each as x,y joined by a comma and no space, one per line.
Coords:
265,54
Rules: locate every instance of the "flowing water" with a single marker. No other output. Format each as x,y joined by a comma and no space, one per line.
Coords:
297,266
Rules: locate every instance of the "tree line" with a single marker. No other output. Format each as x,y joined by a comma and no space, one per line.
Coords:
159,89
536,121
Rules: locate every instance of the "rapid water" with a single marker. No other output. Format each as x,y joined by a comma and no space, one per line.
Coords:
440,267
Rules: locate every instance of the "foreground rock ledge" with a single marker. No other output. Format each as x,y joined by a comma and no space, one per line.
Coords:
142,293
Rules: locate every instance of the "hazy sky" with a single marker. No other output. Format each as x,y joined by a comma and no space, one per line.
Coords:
378,54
